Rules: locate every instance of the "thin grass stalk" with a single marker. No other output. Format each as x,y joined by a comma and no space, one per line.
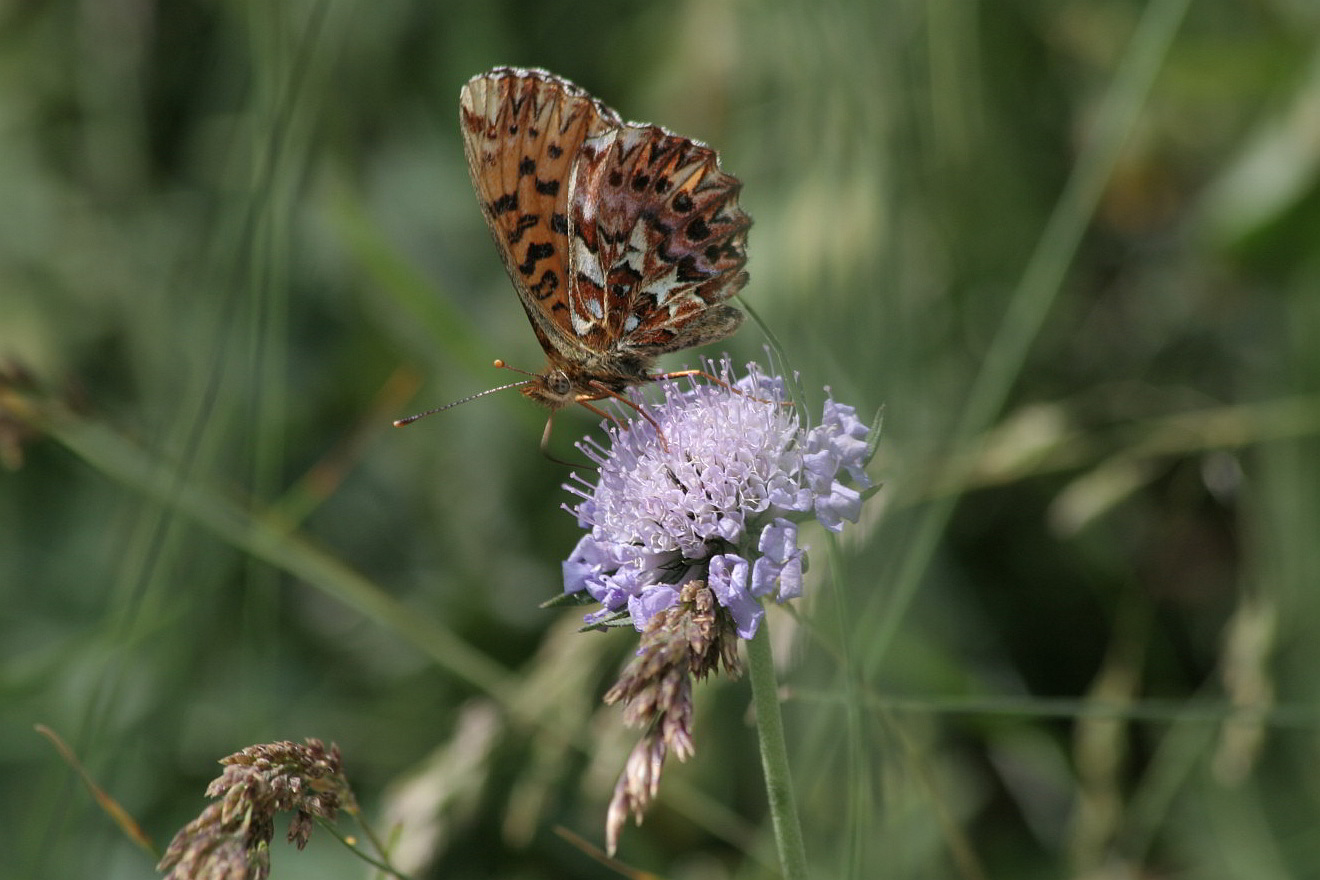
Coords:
774,756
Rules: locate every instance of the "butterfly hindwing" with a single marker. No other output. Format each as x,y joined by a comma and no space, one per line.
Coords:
658,227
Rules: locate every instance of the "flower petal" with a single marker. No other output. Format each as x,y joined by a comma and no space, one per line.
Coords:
781,564
843,502
779,540
649,603
586,560
790,578
728,581
765,574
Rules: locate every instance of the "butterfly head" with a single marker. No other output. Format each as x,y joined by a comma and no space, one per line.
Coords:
553,388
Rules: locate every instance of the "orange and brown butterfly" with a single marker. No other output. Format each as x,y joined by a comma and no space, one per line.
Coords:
623,240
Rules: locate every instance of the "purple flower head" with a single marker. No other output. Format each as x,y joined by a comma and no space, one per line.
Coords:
718,499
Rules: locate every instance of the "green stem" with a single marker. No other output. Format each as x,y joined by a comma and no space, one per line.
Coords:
774,756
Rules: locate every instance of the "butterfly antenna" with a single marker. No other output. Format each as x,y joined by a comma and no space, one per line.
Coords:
501,365
399,423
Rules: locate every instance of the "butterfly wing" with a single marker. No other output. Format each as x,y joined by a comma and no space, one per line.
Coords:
622,240
523,131
658,244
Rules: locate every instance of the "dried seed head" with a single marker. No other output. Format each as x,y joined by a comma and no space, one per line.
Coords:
688,640
230,840
636,788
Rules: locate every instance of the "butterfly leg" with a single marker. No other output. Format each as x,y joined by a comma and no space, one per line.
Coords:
545,444
679,374
585,403
606,391
545,435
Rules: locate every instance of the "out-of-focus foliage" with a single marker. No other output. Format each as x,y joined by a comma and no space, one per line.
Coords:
1075,635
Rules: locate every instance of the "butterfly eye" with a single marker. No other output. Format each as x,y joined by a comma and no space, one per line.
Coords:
557,383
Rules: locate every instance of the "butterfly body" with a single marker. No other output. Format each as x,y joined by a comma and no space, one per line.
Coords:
623,241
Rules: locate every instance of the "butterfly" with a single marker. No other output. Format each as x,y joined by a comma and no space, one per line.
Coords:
623,240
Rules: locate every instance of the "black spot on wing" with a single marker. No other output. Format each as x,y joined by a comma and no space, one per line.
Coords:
656,224
525,222
535,253
697,230
547,187
559,223
527,166
548,284
504,204
688,270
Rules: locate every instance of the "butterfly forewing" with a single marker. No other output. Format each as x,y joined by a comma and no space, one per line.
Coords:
622,240
522,134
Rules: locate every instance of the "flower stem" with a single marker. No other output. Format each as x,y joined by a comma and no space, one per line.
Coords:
774,756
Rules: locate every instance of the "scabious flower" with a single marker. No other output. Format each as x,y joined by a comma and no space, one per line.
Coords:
717,497
693,521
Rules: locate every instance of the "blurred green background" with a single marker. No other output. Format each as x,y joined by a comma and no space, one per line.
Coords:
1072,248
